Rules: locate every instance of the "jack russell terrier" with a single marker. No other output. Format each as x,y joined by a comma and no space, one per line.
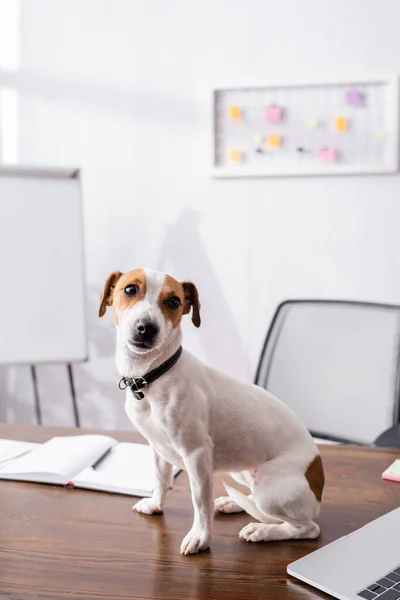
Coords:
202,420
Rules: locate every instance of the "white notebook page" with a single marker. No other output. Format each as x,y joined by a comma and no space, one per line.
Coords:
65,456
127,466
11,449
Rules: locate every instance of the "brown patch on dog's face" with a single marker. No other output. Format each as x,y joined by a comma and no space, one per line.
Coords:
131,288
172,300
122,291
315,477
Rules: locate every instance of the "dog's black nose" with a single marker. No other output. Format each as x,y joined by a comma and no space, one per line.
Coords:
146,329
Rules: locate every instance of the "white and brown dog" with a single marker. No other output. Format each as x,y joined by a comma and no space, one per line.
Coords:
202,420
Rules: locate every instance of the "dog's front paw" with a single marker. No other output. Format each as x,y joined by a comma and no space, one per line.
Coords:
195,541
147,506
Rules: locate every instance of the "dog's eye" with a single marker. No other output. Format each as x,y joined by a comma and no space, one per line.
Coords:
173,302
131,289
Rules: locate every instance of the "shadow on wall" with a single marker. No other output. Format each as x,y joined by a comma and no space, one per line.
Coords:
121,100
184,250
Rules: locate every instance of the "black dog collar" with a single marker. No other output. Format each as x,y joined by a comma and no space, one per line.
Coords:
136,384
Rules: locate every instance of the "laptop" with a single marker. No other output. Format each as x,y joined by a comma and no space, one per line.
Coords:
362,565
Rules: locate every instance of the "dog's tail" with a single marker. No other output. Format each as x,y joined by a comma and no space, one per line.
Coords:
245,502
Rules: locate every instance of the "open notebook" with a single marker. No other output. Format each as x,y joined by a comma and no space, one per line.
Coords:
95,462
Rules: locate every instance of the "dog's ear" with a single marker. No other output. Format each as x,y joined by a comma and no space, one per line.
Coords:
106,298
192,301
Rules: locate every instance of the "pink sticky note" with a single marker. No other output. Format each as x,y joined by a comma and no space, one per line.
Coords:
327,153
273,113
355,97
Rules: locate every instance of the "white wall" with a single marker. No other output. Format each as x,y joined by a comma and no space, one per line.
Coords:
10,18
122,89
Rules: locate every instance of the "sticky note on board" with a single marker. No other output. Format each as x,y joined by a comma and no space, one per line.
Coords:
355,98
235,112
328,154
235,155
273,113
381,134
392,473
341,124
274,140
258,138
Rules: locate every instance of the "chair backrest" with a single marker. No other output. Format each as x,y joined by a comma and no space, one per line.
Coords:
336,364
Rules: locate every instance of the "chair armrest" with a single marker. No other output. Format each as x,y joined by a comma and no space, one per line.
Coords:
390,437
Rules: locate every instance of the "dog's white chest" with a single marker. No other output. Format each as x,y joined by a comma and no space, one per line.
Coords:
141,415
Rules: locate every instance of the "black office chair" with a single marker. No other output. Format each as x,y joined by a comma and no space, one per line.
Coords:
337,364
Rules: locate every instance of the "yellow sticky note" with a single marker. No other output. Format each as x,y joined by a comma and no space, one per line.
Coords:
235,155
273,140
235,112
380,134
341,124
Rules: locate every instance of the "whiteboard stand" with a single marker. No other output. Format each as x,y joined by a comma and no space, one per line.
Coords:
73,395
36,395
43,313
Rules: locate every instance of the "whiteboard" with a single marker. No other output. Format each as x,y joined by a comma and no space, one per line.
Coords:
325,128
42,297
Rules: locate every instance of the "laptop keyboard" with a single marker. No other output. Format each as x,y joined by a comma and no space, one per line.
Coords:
387,588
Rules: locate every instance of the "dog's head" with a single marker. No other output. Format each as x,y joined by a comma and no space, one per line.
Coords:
148,306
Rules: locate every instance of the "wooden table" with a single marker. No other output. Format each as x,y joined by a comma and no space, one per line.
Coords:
58,543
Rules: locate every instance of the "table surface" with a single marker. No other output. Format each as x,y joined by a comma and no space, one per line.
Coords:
60,543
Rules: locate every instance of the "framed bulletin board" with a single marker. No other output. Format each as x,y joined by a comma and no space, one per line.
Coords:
334,128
